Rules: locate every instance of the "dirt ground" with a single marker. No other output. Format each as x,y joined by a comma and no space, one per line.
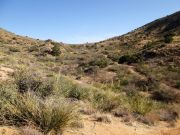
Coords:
118,128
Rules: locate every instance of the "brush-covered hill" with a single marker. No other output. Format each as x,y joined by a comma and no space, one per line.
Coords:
155,30
152,47
134,77
154,33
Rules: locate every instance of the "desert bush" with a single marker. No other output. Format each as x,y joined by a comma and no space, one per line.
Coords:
77,92
48,59
124,82
109,101
32,81
113,68
168,38
100,61
121,112
48,40
14,38
147,85
45,49
141,105
49,115
34,48
177,85
168,114
148,119
106,101
142,85
167,96
114,56
14,49
69,89
148,54
130,59
56,51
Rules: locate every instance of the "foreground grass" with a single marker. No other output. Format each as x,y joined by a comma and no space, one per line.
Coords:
47,103
47,115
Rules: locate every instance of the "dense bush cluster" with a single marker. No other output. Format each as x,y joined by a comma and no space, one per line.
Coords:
100,61
130,59
28,81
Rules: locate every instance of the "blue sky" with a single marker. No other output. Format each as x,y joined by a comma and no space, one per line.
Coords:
79,21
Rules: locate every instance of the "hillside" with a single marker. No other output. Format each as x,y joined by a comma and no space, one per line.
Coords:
129,79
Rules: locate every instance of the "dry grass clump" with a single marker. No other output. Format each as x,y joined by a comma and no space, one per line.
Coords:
47,115
69,89
14,49
142,105
105,101
109,101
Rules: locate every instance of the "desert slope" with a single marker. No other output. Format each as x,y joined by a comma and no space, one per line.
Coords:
128,84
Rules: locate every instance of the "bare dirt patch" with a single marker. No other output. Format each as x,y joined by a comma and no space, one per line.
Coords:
5,72
118,128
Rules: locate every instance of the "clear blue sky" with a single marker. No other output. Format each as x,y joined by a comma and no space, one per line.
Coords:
78,21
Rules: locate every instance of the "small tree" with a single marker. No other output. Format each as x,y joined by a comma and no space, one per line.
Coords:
56,51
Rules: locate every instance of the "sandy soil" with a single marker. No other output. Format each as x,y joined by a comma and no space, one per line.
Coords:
118,128
9,131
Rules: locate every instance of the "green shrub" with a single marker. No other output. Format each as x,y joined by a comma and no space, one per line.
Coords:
177,85
141,105
106,101
14,49
56,51
130,59
168,38
69,89
101,62
78,93
114,56
124,82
